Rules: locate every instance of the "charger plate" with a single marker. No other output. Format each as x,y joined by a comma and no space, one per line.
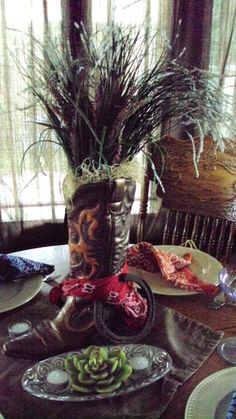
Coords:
209,398
14,294
160,363
205,266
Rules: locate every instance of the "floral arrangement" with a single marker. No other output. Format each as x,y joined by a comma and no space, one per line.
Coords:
104,106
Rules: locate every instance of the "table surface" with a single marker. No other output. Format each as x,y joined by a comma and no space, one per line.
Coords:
195,307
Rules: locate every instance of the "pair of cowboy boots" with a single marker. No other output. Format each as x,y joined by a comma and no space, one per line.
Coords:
98,225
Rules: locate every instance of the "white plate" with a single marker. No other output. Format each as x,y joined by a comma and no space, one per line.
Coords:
206,267
14,294
204,402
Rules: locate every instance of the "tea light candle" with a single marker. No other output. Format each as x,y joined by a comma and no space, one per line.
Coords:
58,380
19,328
139,362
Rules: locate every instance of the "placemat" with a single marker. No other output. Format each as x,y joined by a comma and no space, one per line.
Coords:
189,344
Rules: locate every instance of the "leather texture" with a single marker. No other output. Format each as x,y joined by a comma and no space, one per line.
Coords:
72,328
99,225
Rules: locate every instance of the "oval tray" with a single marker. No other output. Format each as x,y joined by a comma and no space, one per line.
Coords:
34,379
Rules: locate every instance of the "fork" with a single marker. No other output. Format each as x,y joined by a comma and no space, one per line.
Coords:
218,302
50,277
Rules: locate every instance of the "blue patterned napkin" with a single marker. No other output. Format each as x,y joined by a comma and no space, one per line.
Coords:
15,267
231,414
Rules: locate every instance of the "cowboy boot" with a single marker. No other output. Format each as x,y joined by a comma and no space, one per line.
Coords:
108,256
52,337
98,226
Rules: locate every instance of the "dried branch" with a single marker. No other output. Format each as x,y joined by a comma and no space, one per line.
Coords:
104,106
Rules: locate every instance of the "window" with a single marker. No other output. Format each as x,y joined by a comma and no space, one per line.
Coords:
30,192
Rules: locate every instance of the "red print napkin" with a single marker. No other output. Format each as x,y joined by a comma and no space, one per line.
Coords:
125,295
174,268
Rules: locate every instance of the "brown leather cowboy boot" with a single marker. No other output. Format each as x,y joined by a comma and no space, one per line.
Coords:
98,224
57,336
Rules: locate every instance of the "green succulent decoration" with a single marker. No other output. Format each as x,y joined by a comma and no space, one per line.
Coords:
98,369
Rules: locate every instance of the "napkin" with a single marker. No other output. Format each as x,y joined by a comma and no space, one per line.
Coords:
110,290
174,269
231,413
15,267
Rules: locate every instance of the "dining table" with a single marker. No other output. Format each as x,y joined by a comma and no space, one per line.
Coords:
193,316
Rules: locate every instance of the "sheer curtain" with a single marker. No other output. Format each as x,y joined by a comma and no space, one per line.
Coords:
31,203
29,187
223,46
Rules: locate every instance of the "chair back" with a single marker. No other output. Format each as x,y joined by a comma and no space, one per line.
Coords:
201,209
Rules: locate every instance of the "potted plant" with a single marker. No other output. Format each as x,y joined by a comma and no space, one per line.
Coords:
104,107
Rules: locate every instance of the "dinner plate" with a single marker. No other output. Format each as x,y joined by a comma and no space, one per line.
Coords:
209,399
16,293
159,364
205,266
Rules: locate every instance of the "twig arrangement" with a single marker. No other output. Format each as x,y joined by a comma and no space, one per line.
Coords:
104,106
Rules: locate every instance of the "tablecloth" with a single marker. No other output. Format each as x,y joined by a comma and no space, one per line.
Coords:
189,344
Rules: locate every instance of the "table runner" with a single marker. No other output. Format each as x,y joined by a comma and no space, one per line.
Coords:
189,344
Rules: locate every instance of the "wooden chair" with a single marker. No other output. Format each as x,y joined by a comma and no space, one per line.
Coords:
200,209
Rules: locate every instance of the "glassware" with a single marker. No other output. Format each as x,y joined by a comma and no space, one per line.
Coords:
58,380
42,379
227,282
19,328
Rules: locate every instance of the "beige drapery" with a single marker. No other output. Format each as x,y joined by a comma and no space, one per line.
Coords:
29,189
31,203
223,45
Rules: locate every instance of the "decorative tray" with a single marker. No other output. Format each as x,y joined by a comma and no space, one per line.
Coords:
157,365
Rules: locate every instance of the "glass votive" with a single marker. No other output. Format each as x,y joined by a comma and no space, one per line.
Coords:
227,281
58,380
19,328
139,363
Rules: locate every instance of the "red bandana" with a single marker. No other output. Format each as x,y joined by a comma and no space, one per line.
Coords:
124,295
110,290
174,269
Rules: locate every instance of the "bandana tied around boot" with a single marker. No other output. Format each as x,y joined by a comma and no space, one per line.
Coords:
124,295
110,290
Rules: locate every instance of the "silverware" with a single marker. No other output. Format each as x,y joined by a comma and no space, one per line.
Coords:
50,277
218,302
